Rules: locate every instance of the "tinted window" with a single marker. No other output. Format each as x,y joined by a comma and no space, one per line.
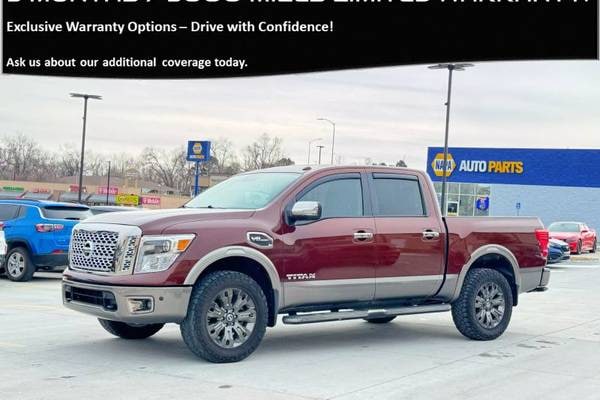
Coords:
338,198
75,213
8,211
397,197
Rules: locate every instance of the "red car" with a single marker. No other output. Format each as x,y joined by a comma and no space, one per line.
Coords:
577,234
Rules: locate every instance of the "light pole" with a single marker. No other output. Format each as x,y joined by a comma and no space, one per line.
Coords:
108,183
320,148
85,100
450,68
310,142
333,136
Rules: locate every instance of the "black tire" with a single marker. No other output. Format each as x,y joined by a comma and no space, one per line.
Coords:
126,331
195,327
593,250
23,273
382,320
579,247
464,308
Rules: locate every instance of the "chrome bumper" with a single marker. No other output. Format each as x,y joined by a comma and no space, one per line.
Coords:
169,304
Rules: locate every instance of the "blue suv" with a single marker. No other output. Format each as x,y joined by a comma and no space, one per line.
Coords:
38,234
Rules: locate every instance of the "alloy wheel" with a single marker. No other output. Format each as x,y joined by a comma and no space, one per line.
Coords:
489,305
231,318
15,265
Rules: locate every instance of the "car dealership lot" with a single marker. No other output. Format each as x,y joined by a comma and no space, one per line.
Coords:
551,350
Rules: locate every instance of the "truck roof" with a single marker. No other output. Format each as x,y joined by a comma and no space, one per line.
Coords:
303,168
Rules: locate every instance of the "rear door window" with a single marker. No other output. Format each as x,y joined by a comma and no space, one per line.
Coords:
8,211
72,213
397,196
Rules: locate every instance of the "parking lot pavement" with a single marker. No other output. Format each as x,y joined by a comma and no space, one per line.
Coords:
551,350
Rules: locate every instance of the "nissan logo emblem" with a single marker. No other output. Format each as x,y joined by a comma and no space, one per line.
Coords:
88,248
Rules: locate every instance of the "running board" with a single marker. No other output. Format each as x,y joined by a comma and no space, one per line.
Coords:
310,318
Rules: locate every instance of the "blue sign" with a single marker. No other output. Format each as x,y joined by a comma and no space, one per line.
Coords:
198,151
482,203
545,167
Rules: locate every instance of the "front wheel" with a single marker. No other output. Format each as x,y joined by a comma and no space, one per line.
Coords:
579,247
226,318
127,331
19,267
484,307
593,250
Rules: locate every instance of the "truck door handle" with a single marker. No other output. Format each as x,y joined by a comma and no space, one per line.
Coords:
430,234
363,235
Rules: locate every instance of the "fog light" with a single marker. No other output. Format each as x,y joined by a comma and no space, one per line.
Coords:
139,305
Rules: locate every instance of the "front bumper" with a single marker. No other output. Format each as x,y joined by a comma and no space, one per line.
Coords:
169,304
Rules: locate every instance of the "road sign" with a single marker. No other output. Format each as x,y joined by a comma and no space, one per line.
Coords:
198,151
518,205
127,199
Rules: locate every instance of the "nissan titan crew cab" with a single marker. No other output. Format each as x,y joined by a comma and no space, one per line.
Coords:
315,244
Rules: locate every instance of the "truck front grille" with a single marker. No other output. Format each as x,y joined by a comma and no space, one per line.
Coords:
109,249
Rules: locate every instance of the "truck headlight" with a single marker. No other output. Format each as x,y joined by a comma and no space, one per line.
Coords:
157,253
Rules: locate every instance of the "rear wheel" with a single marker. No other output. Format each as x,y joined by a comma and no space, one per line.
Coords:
382,320
18,266
226,318
484,307
127,331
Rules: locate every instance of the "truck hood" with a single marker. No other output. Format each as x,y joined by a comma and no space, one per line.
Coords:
155,221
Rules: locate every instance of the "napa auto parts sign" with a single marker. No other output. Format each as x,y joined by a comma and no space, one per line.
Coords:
547,167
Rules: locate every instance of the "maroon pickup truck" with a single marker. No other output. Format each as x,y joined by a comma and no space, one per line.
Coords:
313,243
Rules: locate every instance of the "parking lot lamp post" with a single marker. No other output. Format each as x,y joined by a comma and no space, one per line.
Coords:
332,137
85,98
108,183
450,68
310,142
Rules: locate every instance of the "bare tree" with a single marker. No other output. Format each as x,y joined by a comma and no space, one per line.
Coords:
263,153
21,155
225,159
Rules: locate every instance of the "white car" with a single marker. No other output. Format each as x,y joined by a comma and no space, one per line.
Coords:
3,246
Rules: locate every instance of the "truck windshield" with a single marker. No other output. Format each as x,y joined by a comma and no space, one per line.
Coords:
564,227
247,191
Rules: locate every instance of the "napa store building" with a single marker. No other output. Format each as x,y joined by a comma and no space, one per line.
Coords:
552,184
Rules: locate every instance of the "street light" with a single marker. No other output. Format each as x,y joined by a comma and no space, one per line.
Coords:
320,148
85,100
333,137
450,68
108,183
310,142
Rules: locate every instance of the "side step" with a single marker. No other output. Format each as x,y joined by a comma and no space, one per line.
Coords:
310,318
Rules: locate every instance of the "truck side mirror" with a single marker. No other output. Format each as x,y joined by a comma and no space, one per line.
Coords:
306,211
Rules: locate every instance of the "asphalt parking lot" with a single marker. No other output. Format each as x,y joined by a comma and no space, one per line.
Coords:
551,351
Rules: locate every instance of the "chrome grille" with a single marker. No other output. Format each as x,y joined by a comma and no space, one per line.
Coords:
93,251
103,248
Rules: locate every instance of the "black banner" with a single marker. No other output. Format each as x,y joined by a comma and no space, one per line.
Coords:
213,38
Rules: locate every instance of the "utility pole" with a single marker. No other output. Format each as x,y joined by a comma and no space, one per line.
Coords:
85,98
310,142
320,148
108,183
450,68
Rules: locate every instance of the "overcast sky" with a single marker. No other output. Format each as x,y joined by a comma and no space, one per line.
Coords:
385,114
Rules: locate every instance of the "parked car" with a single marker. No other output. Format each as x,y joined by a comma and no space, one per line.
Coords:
106,209
37,234
3,245
577,234
558,251
316,244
